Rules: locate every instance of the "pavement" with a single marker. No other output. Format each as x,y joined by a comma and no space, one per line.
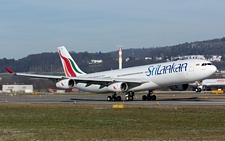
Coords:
163,99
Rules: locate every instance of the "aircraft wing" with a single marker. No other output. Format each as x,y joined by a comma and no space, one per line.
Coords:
51,77
87,80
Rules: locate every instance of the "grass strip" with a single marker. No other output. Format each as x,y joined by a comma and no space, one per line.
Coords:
71,122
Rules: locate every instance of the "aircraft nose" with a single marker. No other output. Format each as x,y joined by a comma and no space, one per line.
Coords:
214,69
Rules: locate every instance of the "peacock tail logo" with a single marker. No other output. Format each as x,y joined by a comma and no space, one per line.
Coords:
69,66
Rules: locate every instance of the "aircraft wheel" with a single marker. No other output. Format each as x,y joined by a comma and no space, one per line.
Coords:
149,98
127,98
109,98
144,97
131,98
114,98
118,98
198,90
153,97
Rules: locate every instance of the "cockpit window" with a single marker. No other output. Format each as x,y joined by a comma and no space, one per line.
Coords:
206,64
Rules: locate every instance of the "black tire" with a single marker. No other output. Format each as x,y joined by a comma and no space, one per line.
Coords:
153,97
118,98
144,97
109,98
114,98
196,90
127,98
131,98
149,98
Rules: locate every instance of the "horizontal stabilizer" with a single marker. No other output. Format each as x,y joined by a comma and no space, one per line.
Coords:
9,70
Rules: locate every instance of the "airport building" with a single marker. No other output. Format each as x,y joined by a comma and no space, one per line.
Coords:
17,88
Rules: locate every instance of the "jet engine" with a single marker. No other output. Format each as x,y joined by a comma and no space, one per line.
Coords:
66,84
181,87
118,87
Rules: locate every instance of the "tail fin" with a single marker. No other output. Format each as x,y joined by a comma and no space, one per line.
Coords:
69,65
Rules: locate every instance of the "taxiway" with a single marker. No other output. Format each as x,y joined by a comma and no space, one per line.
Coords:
86,98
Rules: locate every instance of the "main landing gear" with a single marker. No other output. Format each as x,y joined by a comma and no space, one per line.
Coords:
129,96
114,97
149,96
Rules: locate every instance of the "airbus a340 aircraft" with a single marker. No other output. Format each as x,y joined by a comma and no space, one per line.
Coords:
176,74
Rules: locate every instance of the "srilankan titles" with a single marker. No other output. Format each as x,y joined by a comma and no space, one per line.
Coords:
172,68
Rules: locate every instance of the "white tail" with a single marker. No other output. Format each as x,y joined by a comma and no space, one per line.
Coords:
69,65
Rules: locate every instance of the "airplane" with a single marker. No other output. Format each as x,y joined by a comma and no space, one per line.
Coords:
175,74
207,83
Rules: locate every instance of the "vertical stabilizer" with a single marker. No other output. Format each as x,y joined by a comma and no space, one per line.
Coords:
69,65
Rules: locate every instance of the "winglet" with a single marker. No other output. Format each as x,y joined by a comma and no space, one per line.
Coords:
9,70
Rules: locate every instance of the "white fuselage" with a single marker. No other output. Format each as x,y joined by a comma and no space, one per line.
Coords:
154,75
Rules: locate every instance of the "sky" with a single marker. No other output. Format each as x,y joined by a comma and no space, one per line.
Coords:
32,27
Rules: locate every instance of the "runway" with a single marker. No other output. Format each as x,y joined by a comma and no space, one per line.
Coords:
164,99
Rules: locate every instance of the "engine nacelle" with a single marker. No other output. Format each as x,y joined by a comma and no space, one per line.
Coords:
118,87
66,84
181,87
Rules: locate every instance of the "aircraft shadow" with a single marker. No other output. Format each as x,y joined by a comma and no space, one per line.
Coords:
184,99
87,99
161,99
